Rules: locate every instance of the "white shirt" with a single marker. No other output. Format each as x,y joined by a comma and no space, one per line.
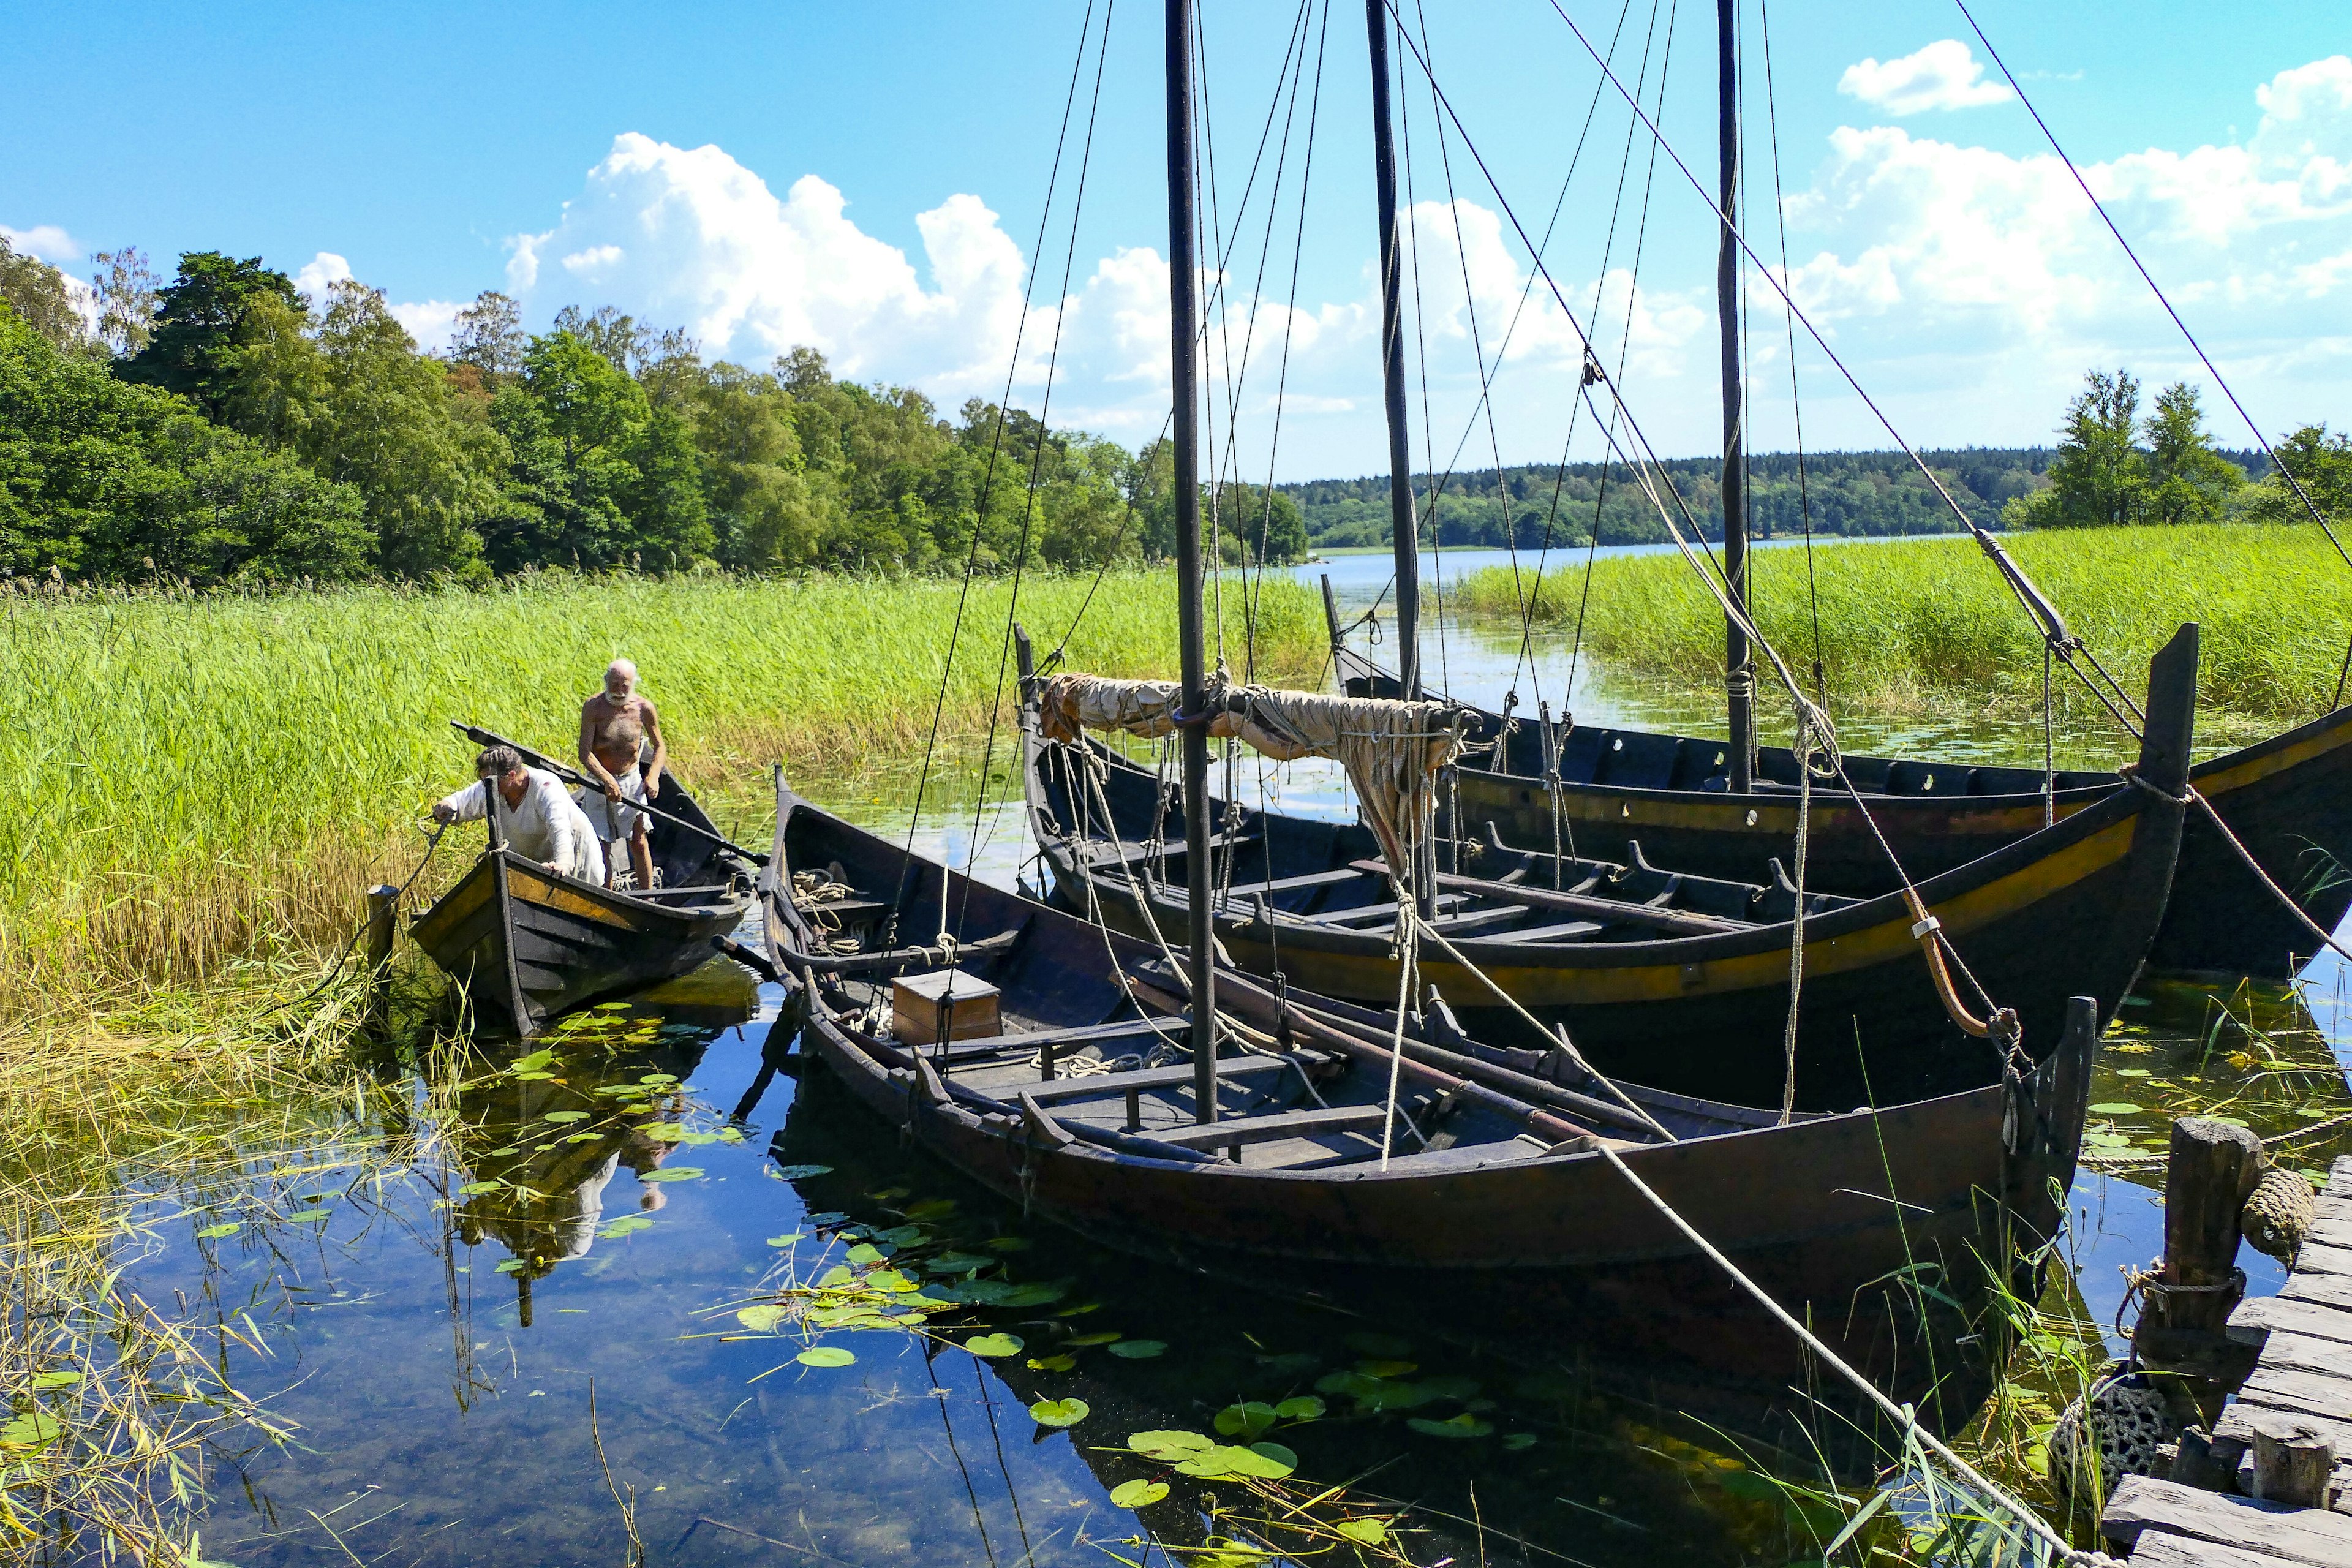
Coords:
547,827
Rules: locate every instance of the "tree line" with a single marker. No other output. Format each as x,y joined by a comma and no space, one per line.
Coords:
224,426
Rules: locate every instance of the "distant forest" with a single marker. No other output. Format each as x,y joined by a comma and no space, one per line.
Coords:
1846,493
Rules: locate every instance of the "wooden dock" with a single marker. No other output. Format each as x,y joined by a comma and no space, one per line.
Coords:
2272,1484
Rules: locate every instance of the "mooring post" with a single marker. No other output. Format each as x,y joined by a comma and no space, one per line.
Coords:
2293,1462
2183,1326
382,926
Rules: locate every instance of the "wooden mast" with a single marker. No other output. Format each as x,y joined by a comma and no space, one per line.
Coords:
1404,526
1738,663
1183,345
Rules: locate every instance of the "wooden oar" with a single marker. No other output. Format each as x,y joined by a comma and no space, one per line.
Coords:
486,738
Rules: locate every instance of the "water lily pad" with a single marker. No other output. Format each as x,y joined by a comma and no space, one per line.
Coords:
1140,1350
1059,1412
958,1262
512,1266
1245,1420
801,1172
49,1380
762,1318
624,1226
1138,1493
309,1217
839,1274
903,1235
1170,1445
1035,1295
2131,1072
658,1078
33,1429
1386,1396
673,1173
993,1344
1463,1426
1222,1459
1516,1441
786,1240
1007,1243
866,1252
1387,1368
2115,1108
1363,1531
825,1355
213,1232
1079,1342
1300,1407
931,1209
1270,1454
1291,1363
563,1117
538,1061
889,1279
1052,1363
471,1189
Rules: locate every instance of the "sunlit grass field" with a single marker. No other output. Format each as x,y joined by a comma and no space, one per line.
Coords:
202,784
1916,623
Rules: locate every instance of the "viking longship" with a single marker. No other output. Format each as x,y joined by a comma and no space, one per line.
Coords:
1685,978
1052,1061
528,944
1605,789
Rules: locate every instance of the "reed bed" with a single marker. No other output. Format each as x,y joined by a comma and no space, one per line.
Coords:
202,785
1921,624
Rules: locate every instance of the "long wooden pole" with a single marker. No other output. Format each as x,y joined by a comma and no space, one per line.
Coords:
1183,310
1404,526
1738,663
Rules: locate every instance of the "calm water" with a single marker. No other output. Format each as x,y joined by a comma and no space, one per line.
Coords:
449,1303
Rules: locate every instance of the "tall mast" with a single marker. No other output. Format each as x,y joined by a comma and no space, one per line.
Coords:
1738,664
1405,529
1183,309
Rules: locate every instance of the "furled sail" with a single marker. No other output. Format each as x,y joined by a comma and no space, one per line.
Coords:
1391,750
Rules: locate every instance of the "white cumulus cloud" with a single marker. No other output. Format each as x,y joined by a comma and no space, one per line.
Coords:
45,240
1943,75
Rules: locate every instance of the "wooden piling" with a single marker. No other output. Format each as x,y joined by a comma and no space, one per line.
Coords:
2184,1321
2294,1460
382,924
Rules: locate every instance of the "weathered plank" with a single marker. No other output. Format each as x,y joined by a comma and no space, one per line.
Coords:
2315,1394
2308,1352
2257,1319
2330,1289
2237,1423
2316,1257
2162,1548
2310,1535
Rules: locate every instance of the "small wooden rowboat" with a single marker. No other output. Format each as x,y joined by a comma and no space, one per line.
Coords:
1075,1098
528,945
1683,980
2288,799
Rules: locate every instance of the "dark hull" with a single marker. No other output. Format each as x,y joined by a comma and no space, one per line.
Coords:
1558,1248
2289,798
2066,911
528,945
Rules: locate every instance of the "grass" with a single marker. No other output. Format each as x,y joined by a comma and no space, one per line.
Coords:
1918,625
201,786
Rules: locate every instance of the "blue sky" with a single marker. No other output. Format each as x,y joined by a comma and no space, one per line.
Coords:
870,179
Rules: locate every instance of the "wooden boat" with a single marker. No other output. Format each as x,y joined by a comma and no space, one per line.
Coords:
1681,978
528,945
1495,1203
2288,799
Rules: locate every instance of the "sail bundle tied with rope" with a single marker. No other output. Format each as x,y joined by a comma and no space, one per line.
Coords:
1393,751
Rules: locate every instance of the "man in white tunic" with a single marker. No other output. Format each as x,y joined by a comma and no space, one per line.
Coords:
538,819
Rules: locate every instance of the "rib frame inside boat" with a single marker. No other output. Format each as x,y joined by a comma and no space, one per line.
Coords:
1512,1238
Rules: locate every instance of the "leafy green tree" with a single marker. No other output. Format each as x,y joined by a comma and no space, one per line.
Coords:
488,337
38,294
2322,464
2188,480
193,348
125,286
2099,476
610,334
104,480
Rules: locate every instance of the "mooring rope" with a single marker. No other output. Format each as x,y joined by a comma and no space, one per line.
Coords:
1902,1414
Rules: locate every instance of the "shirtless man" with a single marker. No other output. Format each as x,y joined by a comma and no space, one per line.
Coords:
614,724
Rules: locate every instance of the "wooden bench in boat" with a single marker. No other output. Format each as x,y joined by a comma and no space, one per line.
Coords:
1562,932
1041,1039
1106,858
1134,1085
1286,884
1681,923
1231,1135
1373,911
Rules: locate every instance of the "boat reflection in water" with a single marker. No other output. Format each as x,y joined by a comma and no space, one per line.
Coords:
545,1134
